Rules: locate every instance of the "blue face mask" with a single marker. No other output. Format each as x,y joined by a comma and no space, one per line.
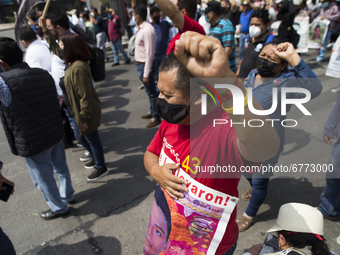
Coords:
206,19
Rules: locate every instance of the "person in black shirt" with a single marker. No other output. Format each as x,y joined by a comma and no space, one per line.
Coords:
231,11
254,42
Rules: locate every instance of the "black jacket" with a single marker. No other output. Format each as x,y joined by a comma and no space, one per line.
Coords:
32,122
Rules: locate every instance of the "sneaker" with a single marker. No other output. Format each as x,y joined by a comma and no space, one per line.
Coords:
147,116
153,123
90,164
79,144
141,87
115,64
85,157
335,90
127,62
97,174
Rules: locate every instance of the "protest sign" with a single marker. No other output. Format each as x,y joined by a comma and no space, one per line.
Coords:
198,221
317,33
333,69
301,25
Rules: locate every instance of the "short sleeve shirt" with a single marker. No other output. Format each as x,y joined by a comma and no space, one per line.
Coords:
183,142
100,25
224,31
162,34
245,21
189,25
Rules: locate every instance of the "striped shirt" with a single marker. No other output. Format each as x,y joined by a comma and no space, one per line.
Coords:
224,31
5,93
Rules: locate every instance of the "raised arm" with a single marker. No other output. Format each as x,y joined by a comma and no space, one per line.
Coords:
204,57
171,10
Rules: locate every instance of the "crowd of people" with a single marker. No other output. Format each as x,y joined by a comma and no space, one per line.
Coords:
172,42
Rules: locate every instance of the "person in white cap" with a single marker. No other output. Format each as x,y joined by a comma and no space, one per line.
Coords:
300,231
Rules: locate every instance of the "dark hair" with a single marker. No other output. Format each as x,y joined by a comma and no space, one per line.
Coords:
58,18
95,10
301,240
261,14
27,34
154,9
189,5
75,48
141,10
163,205
182,79
10,51
86,15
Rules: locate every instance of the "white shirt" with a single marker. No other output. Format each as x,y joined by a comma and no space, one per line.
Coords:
38,55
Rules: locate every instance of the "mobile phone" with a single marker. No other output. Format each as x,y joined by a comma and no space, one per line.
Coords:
4,194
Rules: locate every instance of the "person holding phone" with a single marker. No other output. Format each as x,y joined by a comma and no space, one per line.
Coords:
6,245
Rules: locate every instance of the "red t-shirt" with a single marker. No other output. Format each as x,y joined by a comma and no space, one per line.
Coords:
189,25
209,145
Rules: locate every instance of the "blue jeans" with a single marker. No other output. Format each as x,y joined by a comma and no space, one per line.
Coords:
92,144
322,51
231,250
41,168
117,45
150,90
241,44
157,62
259,183
6,246
330,197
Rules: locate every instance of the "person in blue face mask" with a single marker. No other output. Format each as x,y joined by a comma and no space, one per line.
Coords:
330,11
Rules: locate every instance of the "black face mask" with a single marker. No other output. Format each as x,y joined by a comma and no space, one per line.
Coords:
265,67
157,18
172,113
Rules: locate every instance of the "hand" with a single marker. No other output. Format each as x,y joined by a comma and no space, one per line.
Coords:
83,127
255,250
328,139
146,81
324,17
203,56
173,185
2,180
42,24
287,52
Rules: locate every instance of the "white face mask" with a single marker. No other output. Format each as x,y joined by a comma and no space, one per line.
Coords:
92,14
254,31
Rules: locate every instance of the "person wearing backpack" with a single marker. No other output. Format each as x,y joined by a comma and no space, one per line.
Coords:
115,35
82,101
258,37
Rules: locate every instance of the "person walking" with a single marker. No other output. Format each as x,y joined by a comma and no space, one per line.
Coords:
82,101
99,28
116,39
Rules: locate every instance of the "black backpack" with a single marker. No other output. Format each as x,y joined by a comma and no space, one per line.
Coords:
97,63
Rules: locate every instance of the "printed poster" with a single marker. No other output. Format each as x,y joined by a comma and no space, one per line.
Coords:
193,225
317,33
333,69
301,25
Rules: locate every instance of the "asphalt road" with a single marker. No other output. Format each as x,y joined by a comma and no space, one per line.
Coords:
111,215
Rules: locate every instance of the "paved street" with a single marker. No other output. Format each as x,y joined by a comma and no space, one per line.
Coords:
111,215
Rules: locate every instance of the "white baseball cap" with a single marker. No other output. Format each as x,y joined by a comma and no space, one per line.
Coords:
297,2
299,218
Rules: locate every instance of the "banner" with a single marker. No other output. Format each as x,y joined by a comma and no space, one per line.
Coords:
301,25
194,224
317,33
333,69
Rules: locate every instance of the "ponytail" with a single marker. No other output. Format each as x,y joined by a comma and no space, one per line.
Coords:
301,240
